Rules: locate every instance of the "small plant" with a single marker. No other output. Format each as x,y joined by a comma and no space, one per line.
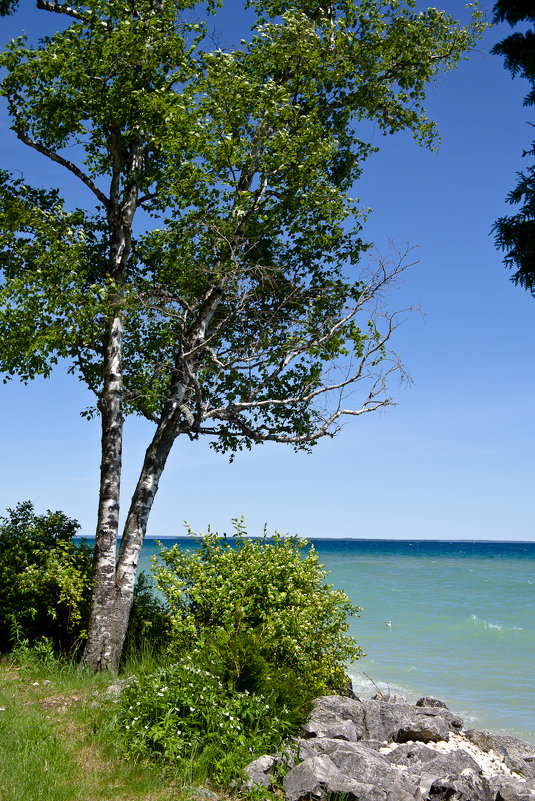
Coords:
37,656
184,714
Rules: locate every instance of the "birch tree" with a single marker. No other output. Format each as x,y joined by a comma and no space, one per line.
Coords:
243,310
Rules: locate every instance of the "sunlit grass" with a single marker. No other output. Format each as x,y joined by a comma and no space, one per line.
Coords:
56,743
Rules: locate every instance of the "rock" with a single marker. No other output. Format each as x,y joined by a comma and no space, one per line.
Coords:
379,750
114,690
517,755
454,720
316,777
468,787
430,701
362,764
258,772
425,730
408,755
336,717
319,778
353,720
507,790
427,760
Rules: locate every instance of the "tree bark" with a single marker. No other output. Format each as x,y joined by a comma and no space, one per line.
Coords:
134,532
102,649
115,575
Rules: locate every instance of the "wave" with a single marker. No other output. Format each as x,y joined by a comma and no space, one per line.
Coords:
495,626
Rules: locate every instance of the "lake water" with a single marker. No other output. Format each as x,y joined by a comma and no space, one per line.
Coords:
462,620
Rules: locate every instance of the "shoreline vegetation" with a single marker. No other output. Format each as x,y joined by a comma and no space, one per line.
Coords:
226,667
58,742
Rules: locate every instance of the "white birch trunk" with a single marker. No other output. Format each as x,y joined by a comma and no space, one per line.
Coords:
101,648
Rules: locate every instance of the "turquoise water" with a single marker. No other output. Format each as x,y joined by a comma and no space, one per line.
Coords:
462,623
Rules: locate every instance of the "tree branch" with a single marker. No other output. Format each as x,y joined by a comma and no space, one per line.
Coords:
53,156
62,8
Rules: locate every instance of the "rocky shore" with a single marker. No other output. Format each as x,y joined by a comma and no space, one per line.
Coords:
384,749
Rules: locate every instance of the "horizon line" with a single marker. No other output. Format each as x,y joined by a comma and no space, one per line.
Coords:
329,539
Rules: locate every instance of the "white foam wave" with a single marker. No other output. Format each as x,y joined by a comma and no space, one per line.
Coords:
495,626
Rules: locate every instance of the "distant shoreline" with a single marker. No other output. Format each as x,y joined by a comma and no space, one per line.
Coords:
337,539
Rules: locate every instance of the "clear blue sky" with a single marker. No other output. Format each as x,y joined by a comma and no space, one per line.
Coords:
453,460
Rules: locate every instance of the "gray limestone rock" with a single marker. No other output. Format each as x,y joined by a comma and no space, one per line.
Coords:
424,729
320,778
517,755
353,720
258,772
428,700
317,777
336,717
467,787
509,790
341,754
407,755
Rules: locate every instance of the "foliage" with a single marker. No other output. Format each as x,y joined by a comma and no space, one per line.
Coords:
44,579
260,613
149,625
213,282
183,713
256,635
515,234
241,298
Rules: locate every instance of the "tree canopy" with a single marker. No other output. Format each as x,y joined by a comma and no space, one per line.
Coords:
214,283
515,234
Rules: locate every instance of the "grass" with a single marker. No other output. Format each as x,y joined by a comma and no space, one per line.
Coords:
56,743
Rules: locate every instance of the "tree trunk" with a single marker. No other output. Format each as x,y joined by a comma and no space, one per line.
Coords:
102,651
110,608
115,575
114,589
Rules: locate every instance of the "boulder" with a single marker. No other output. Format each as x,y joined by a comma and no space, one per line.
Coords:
423,729
377,750
319,778
430,701
516,754
258,772
467,787
510,790
353,720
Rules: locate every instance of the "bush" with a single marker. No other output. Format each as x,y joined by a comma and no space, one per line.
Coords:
184,714
149,625
259,615
256,634
45,579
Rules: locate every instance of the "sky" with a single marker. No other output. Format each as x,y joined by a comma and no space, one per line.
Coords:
454,459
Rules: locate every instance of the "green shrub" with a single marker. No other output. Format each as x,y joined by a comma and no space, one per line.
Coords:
256,634
149,625
257,611
45,579
184,714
